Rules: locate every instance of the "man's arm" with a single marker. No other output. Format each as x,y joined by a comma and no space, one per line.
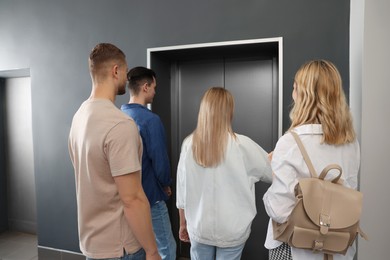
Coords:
137,212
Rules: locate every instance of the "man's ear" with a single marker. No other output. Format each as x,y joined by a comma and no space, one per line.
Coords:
145,86
114,71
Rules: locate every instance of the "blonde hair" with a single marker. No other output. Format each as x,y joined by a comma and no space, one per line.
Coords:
214,126
320,99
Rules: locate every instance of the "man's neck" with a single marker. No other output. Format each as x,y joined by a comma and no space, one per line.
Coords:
102,92
137,100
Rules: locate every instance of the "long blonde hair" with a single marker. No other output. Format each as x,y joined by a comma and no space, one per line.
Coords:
320,99
214,126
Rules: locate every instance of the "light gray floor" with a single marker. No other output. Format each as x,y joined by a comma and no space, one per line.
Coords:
22,246
18,246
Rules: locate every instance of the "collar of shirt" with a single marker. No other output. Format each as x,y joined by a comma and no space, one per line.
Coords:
132,105
309,129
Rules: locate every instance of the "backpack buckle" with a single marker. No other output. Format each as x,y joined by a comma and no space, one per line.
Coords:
318,245
324,223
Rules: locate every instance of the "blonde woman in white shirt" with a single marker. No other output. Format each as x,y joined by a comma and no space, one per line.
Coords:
321,118
216,178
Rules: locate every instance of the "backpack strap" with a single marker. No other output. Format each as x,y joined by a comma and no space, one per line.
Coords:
328,257
362,234
305,155
332,167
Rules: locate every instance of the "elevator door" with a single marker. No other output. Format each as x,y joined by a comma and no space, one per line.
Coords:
253,85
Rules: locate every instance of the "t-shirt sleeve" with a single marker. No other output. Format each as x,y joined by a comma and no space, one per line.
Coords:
123,148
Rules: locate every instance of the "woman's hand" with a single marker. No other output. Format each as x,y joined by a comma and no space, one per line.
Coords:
270,156
183,234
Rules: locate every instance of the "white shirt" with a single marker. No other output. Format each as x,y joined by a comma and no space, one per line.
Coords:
219,203
288,167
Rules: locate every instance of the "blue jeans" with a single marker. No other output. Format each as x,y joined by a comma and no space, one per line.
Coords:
139,255
162,229
201,251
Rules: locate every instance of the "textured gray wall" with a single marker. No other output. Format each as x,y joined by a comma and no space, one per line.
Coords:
21,197
3,180
54,38
375,141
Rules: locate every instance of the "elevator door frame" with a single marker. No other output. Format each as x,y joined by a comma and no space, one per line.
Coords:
167,57
278,40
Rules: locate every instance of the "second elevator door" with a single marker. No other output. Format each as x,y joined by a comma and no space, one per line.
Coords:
253,84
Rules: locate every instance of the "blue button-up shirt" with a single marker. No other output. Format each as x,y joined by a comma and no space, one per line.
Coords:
156,171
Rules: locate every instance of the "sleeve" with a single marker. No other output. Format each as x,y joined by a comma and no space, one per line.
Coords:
351,176
279,200
256,161
71,150
181,177
123,148
157,151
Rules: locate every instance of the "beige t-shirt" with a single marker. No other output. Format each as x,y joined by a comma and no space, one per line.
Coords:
103,143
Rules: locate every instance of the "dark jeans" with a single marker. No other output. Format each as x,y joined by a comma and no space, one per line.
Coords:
139,255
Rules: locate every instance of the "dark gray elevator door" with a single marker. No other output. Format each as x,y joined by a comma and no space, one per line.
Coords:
253,85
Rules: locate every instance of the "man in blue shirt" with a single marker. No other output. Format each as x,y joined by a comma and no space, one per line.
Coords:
156,172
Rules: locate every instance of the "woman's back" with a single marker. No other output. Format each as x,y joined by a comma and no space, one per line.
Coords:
289,166
219,201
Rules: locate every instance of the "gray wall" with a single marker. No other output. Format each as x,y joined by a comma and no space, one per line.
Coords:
54,38
375,125
21,201
3,180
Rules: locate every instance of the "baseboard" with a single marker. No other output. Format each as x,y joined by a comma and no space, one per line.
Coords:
48,253
22,226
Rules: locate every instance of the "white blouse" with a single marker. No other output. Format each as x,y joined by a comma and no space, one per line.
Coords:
219,203
288,167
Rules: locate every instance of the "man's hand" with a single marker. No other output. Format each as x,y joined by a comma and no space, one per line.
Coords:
168,191
153,256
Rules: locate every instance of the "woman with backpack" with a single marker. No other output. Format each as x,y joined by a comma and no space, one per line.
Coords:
321,117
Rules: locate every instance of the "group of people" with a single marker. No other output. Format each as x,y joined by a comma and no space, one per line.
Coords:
123,177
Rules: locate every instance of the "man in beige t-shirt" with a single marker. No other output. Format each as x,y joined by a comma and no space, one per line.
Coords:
105,149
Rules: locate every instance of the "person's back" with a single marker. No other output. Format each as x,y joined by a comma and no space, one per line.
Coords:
321,118
156,171
219,201
155,161
293,168
95,127
216,178
105,149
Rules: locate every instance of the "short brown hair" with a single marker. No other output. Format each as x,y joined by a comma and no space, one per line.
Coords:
137,76
103,53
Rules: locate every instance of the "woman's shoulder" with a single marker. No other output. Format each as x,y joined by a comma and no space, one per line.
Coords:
187,142
285,145
243,138
246,143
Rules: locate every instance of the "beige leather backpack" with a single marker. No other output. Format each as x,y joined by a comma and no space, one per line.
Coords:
326,215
